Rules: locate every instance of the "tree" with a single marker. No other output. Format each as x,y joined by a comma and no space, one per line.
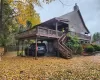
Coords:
8,24
24,11
96,36
1,8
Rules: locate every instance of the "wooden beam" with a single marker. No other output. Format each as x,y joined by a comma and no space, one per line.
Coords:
36,48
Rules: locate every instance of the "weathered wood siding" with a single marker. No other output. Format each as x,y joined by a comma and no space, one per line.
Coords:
75,22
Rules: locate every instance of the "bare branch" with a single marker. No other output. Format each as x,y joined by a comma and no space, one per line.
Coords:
63,3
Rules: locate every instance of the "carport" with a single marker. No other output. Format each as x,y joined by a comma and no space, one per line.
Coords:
49,31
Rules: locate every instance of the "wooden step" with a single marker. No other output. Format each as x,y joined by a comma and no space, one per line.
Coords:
64,50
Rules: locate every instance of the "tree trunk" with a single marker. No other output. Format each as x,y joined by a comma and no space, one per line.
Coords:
0,57
1,52
1,8
5,49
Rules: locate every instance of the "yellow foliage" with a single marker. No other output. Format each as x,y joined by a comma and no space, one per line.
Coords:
25,10
9,1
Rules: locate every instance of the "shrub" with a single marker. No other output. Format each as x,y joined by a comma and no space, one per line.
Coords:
89,49
96,47
85,45
21,53
79,50
73,44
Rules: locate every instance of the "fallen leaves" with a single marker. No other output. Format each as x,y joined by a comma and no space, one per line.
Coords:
50,68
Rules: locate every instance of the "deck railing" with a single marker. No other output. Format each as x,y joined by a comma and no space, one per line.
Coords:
42,31
39,31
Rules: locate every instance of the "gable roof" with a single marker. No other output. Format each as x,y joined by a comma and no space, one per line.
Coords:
72,15
83,21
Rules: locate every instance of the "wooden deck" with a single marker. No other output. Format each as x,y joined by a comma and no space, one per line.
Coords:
39,31
49,33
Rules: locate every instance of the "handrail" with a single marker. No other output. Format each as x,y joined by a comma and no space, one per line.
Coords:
63,46
66,52
43,31
63,42
47,31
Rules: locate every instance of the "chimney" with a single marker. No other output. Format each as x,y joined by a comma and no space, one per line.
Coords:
76,7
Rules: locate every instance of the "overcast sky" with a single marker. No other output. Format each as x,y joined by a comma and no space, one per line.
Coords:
90,10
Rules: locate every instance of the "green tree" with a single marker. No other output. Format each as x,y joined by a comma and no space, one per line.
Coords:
96,36
1,8
8,23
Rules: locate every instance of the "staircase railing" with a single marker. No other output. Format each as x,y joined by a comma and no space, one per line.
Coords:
64,40
61,47
65,51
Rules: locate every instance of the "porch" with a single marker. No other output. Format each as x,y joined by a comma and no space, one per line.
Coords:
48,33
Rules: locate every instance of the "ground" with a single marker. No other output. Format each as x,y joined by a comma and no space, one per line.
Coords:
50,68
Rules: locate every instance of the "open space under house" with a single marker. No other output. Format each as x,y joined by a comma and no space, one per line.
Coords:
51,31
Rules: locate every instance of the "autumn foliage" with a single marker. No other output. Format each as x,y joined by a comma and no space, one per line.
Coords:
50,68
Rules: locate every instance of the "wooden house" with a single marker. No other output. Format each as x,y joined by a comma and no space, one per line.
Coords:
52,32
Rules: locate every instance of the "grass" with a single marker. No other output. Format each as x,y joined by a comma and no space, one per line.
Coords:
50,68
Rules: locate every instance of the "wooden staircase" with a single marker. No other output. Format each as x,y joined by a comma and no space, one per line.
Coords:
62,48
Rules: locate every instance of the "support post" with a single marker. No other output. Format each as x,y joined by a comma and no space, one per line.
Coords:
57,50
18,48
22,47
28,49
56,29
36,48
